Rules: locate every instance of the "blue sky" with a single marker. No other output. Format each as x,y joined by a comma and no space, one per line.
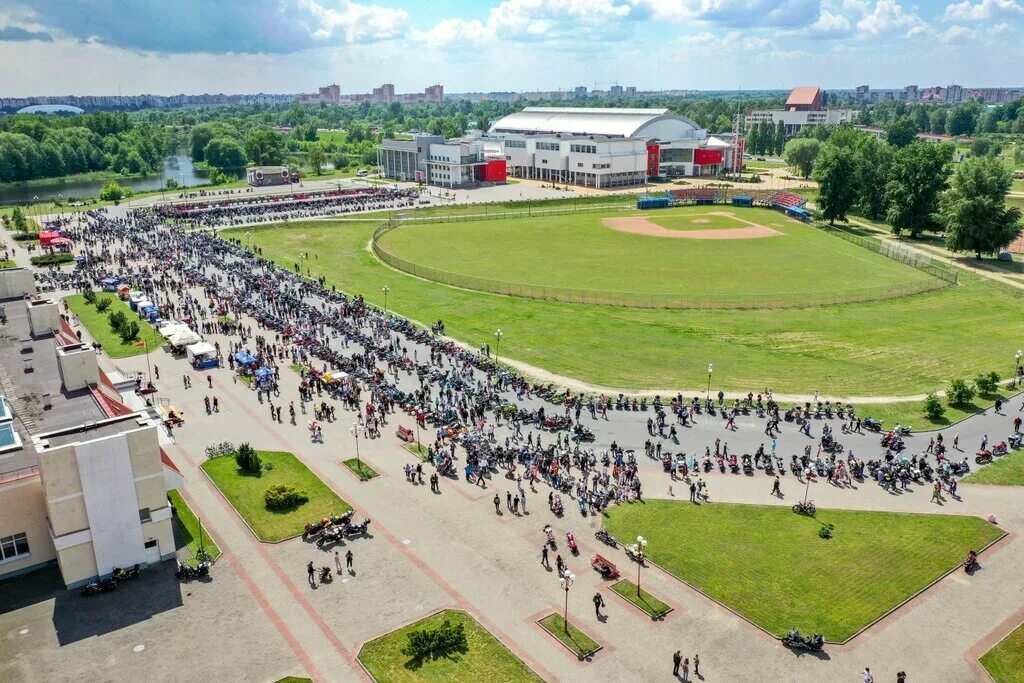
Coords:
171,46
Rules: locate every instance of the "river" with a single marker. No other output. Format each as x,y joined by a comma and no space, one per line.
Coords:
178,166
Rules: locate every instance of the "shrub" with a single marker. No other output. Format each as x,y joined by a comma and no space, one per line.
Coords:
52,259
284,497
24,236
89,296
825,530
103,304
129,332
987,384
19,220
960,393
933,407
446,639
247,459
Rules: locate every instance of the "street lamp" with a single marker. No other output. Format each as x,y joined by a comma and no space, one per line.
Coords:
1017,356
497,344
807,483
355,432
711,368
565,582
385,289
641,543
248,239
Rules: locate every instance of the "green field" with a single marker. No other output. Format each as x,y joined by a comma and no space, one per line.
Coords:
189,530
1007,470
852,349
576,640
642,599
769,564
577,251
485,659
245,493
97,325
1005,662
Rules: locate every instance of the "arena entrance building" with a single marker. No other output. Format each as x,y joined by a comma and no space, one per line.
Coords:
603,147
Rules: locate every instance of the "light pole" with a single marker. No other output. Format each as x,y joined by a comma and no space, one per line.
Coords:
385,289
248,239
1017,356
807,483
566,582
355,432
497,344
711,369
641,543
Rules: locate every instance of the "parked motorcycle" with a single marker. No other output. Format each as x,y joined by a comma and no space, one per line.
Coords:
130,574
606,538
570,540
97,587
795,640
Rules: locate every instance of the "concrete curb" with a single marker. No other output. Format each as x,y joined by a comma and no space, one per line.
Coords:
580,657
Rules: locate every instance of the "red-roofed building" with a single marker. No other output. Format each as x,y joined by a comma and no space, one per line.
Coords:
804,98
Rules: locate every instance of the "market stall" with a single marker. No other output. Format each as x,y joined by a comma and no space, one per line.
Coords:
202,355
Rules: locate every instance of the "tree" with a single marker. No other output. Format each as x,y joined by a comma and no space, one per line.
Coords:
874,159
199,138
981,147
264,147
959,393
20,222
987,383
225,154
835,171
112,192
247,459
780,138
937,121
961,120
801,153
916,179
129,332
973,210
901,131
753,139
315,158
1018,123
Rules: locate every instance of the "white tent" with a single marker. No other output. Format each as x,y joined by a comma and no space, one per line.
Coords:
185,337
172,328
200,350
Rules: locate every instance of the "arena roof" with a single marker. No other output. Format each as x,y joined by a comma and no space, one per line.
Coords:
51,109
598,121
804,95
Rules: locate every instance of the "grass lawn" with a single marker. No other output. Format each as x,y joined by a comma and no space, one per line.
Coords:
912,412
294,679
591,256
360,468
188,527
770,565
1006,470
485,659
573,638
1005,662
645,601
838,350
245,493
7,264
296,368
419,450
97,325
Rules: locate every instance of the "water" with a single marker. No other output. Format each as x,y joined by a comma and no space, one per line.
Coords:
178,166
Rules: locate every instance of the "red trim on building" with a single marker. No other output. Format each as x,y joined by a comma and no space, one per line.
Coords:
653,160
494,171
707,157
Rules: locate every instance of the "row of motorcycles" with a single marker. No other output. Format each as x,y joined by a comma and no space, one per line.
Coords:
187,572
1012,442
334,529
110,584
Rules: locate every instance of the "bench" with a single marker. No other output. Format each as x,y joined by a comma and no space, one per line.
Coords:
605,567
405,434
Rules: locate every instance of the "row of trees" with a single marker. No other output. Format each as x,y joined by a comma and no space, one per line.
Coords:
969,118
764,138
33,147
913,188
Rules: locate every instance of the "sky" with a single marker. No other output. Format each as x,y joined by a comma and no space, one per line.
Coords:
83,47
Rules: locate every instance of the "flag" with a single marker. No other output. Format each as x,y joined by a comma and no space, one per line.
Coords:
141,343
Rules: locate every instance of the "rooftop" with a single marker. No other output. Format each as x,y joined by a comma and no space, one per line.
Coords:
803,95
30,366
90,431
586,121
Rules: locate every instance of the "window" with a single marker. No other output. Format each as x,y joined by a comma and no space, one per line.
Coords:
13,546
518,144
601,165
144,515
580,165
549,146
583,149
676,156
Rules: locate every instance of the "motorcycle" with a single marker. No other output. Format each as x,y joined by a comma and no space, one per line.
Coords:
872,424
606,538
571,542
356,529
97,587
188,572
314,528
971,563
550,533
556,506
634,553
130,574
331,534
982,457
796,641
1000,448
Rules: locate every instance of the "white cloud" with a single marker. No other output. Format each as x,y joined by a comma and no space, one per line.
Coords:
984,10
956,35
829,25
736,13
889,18
354,22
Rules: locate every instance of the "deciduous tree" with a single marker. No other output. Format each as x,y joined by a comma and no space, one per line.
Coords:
973,210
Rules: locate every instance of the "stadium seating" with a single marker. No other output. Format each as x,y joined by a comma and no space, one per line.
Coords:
785,200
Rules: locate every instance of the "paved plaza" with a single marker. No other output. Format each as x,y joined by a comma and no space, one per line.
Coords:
256,618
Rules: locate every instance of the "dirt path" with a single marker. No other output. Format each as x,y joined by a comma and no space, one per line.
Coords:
641,225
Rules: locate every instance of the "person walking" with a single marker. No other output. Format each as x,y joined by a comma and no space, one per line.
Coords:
598,604
312,575
868,678
677,658
497,504
693,492
937,493
544,557
348,561
686,670
696,665
337,560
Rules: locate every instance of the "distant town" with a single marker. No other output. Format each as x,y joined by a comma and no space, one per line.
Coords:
386,94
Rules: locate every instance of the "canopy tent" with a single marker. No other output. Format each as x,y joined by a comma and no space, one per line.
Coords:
244,358
184,338
172,328
202,355
264,372
334,376
47,237
110,284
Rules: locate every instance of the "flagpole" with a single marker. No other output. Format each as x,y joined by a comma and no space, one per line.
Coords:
149,369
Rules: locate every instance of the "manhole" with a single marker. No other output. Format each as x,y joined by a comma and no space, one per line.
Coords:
23,631
406,542
139,648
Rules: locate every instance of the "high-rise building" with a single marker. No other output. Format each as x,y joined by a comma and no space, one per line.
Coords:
579,91
434,93
331,94
385,94
954,93
615,91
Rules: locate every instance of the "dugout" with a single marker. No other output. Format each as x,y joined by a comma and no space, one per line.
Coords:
742,200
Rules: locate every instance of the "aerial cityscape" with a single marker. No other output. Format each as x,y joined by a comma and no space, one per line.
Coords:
562,340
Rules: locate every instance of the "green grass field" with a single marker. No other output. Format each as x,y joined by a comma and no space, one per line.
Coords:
245,493
360,468
485,659
1005,662
188,527
576,640
1007,470
642,599
578,251
97,325
770,565
896,347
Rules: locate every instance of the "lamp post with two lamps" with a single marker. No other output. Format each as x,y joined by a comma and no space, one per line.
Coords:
641,543
566,581
1017,356
497,344
385,289
711,369
355,433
